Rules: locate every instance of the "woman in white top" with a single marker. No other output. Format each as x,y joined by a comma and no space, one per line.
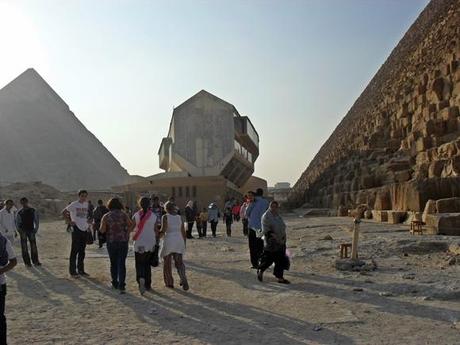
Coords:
173,247
144,243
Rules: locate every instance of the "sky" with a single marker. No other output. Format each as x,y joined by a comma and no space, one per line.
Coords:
294,67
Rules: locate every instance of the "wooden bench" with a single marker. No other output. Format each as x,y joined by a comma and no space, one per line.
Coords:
344,250
416,226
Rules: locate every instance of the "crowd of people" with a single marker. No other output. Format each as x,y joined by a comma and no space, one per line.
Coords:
158,232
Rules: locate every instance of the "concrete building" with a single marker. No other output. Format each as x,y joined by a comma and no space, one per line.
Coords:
280,191
208,154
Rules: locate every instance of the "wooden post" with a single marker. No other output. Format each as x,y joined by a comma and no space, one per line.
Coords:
354,243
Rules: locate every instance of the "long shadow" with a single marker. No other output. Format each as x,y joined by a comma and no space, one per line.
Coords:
217,322
385,304
48,281
32,289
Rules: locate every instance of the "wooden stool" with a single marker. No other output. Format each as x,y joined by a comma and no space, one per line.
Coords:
344,250
416,227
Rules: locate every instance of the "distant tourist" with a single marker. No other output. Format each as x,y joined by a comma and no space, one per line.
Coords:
90,210
228,220
236,212
257,207
129,212
173,232
203,218
158,211
274,231
28,223
98,213
7,263
8,221
144,244
213,217
244,218
78,213
190,215
117,226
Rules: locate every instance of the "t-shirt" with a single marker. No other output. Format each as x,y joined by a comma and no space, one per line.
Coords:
11,255
147,240
79,214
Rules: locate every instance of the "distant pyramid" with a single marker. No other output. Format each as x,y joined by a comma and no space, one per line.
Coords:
42,140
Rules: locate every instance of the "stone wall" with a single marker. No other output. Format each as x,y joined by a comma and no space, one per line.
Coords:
399,144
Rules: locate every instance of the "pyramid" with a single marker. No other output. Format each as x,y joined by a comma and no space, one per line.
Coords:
42,140
399,144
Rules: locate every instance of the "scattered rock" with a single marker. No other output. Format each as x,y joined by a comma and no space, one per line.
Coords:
408,276
452,261
317,328
327,238
358,289
386,294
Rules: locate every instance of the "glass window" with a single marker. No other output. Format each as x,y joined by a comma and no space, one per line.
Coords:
187,191
180,191
173,192
194,191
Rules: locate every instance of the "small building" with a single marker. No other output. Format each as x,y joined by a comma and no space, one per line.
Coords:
280,191
208,154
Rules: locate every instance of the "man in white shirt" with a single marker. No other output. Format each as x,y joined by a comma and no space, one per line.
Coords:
78,212
8,221
7,262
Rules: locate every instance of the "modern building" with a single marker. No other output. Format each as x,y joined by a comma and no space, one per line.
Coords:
280,191
208,154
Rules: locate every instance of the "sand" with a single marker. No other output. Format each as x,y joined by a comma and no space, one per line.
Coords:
407,300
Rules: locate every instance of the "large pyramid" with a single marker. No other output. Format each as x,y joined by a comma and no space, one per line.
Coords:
399,145
42,140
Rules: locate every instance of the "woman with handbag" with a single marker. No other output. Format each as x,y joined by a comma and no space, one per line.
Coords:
117,225
145,244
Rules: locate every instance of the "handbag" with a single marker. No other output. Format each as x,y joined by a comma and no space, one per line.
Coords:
89,237
154,260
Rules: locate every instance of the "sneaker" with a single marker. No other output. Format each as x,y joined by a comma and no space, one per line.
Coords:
122,291
74,275
84,274
28,264
184,285
142,286
37,264
260,275
284,281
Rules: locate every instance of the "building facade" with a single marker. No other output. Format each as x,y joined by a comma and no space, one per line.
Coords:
207,156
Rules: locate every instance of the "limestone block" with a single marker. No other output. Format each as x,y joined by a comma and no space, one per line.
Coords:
437,87
435,168
448,205
342,211
382,201
447,150
444,223
411,216
380,216
396,217
402,176
430,208
368,214
423,143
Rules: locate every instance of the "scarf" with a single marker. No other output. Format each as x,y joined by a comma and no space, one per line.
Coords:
140,226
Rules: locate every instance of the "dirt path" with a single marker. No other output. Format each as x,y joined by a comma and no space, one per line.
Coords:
227,305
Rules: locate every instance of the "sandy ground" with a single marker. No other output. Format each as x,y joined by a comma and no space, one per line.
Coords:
411,299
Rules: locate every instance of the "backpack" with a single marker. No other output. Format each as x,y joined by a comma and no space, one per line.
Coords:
3,252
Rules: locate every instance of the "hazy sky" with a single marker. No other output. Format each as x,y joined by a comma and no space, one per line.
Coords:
294,67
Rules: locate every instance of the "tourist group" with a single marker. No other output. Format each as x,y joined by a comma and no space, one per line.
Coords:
158,231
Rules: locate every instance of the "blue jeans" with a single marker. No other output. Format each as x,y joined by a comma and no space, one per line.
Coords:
118,251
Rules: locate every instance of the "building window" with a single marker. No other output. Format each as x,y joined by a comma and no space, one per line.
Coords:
173,192
180,192
187,192
194,191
